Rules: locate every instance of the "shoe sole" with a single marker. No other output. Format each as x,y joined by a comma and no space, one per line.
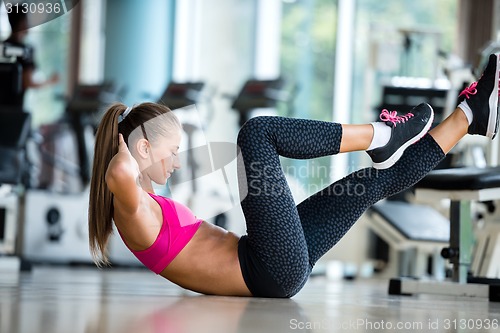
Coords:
491,130
398,153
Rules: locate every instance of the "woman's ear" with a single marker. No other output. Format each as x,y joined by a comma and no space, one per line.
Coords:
142,147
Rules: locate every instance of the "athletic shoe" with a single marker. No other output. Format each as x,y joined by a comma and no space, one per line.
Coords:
482,99
406,130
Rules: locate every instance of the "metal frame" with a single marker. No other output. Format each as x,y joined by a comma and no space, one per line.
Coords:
461,239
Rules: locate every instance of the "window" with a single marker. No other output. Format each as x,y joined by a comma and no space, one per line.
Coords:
308,53
398,38
91,69
51,49
307,60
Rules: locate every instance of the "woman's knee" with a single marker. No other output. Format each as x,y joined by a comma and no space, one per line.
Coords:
253,128
296,279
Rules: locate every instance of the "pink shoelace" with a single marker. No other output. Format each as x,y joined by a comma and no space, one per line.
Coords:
470,90
392,116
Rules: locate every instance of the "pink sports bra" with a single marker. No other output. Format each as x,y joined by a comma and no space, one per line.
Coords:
178,227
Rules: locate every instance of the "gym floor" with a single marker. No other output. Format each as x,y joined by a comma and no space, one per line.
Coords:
63,299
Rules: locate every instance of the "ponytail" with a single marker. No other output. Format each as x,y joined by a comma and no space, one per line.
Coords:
101,198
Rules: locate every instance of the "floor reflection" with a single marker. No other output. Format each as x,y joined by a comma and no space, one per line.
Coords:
76,300
205,314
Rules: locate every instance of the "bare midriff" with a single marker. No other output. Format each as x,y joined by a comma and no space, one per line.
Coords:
209,263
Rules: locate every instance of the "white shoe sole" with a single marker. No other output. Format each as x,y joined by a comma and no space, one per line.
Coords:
492,119
398,153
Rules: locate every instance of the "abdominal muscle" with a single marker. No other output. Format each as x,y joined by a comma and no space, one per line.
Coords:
209,263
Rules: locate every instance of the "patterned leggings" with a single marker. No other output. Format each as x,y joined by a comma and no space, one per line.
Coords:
286,239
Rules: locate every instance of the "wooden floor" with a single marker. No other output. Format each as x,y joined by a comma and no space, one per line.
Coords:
73,300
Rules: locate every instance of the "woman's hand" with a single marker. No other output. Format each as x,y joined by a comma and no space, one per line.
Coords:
123,176
123,164
125,155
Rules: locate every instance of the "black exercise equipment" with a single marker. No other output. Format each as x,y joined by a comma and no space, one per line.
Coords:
14,132
414,222
261,94
10,77
179,95
84,109
404,98
15,124
461,186
413,234
10,83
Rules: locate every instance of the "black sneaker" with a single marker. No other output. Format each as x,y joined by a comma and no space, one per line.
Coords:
482,99
406,130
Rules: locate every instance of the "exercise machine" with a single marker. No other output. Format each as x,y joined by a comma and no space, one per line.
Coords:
415,235
461,186
11,77
473,256
56,213
256,94
404,93
14,131
83,112
181,94
475,261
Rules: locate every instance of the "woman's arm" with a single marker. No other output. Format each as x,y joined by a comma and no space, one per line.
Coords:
122,178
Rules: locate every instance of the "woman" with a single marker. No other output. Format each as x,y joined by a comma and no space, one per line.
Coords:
135,146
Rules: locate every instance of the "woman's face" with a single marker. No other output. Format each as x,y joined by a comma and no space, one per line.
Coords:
163,158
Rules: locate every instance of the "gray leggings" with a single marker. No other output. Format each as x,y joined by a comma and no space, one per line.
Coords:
283,240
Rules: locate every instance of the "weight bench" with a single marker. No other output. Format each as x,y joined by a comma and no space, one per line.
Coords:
461,186
411,238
